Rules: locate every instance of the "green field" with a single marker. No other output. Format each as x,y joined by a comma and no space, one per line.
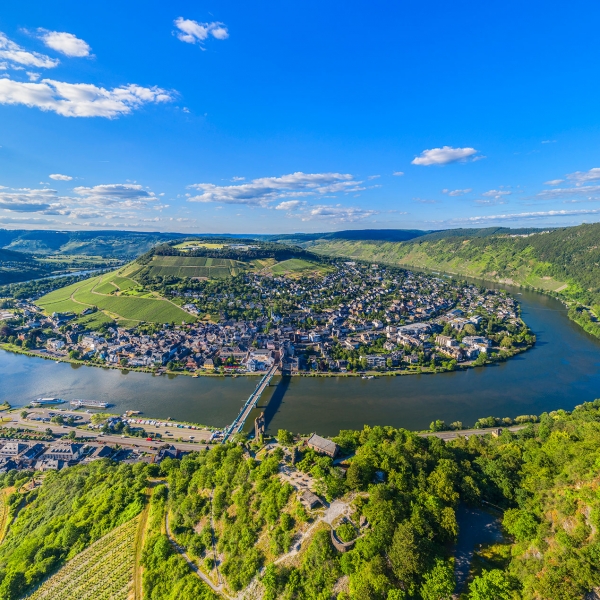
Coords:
98,291
297,266
195,266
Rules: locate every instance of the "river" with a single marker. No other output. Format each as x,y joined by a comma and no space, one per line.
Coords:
561,371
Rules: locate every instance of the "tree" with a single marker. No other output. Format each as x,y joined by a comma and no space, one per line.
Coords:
469,329
439,584
437,425
490,584
24,414
285,437
408,553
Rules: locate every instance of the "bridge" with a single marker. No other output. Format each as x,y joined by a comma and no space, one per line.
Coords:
238,423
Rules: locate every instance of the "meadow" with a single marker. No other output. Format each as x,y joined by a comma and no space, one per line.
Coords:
104,292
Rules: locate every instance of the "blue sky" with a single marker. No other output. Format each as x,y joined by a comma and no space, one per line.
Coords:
279,117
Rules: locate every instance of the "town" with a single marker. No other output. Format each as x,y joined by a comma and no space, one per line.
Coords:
355,318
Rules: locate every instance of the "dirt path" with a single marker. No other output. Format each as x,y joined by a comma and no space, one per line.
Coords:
140,538
219,589
4,518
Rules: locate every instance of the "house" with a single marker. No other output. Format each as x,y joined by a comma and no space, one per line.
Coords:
13,448
49,464
445,341
375,361
63,452
55,345
310,500
322,445
98,453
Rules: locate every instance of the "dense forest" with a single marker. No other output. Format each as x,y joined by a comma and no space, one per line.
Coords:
544,478
402,492
261,250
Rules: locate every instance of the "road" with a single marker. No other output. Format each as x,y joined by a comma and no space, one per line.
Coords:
239,421
452,435
99,438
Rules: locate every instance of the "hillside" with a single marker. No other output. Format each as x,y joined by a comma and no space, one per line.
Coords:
116,296
114,244
563,260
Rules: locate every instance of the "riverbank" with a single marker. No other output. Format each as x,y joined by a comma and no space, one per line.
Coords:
507,353
561,370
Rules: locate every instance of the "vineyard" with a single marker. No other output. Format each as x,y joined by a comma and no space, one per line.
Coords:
101,572
195,266
100,291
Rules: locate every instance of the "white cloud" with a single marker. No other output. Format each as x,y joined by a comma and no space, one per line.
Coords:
554,182
288,205
126,195
262,191
238,179
59,177
193,32
29,200
580,177
496,194
337,214
16,55
454,193
443,156
373,176
398,173
80,99
557,193
548,141
530,215
65,43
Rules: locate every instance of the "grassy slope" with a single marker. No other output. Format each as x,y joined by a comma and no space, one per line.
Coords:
296,265
96,292
103,570
564,260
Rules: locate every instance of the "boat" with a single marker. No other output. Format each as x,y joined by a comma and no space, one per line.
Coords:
89,404
41,401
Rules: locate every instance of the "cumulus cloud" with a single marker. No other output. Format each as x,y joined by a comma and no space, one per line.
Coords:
496,194
454,193
128,195
288,205
337,214
263,191
557,193
531,215
80,99
554,182
15,55
398,173
373,177
59,177
29,200
65,43
193,32
443,156
238,178
580,177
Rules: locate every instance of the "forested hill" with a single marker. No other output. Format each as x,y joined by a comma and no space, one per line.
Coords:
563,260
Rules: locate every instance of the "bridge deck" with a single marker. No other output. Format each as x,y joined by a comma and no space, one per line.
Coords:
240,420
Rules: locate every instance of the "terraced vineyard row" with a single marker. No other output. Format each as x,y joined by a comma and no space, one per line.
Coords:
96,292
104,571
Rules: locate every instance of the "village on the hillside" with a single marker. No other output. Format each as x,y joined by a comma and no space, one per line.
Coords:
357,318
